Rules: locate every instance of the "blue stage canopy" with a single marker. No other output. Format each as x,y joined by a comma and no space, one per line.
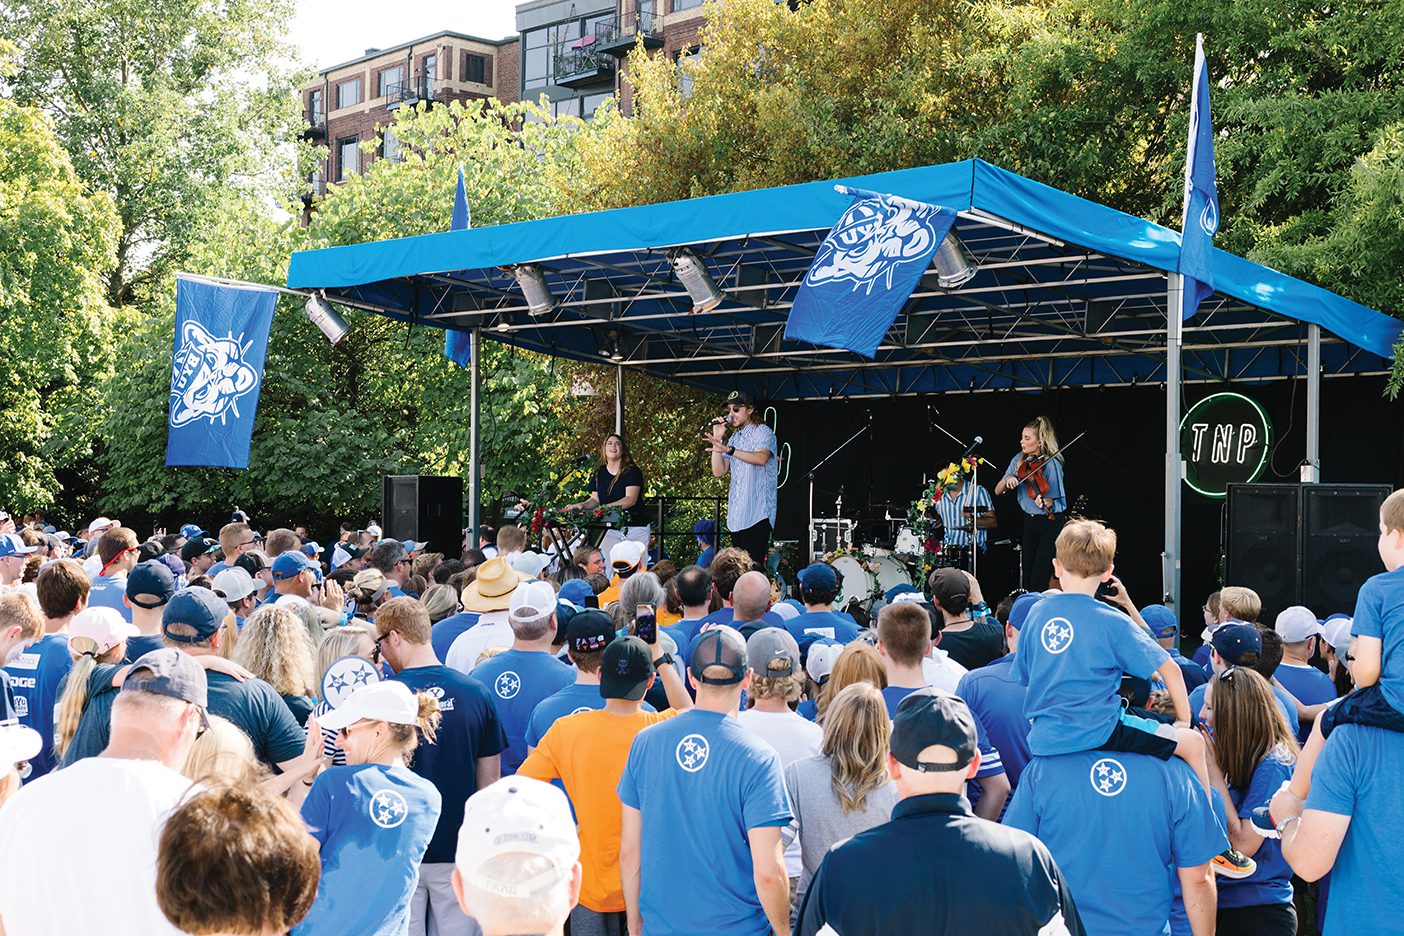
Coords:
1068,293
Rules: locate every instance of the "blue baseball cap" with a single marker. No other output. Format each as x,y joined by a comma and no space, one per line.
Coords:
707,528
290,564
311,549
818,575
1019,610
154,578
895,590
12,545
1234,639
197,608
190,531
1161,620
576,591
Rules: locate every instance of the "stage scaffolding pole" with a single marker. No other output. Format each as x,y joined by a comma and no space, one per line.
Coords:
1170,572
619,399
474,400
1312,471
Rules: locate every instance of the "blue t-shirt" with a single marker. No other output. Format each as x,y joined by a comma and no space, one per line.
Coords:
809,708
367,816
577,697
1201,656
1118,825
708,554
35,675
142,644
1271,883
95,727
727,615
1310,686
519,681
1359,774
443,634
1379,612
830,624
257,709
1284,704
107,591
469,730
996,700
1053,471
701,781
1194,673
990,761
1073,650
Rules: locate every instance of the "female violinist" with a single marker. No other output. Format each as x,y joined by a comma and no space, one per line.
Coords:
1036,473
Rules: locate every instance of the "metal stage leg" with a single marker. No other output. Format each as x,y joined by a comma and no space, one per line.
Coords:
474,400
619,399
1174,297
1312,470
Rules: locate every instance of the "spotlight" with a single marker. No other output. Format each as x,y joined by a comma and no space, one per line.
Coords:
692,271
326,318
954,264
533,285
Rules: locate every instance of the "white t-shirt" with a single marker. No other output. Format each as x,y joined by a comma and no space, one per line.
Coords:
939,670
81,849
793,737
492,630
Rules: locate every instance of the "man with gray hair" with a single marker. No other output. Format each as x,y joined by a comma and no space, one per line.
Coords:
517,869
521,677
85,875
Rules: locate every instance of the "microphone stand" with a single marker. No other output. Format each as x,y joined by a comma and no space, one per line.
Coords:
822,462
978,460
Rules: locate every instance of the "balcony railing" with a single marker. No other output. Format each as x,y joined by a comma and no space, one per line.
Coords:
581,63
314,123
408,92
615,35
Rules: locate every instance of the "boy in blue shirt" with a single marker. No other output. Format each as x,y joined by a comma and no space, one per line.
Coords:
1378,648
818,587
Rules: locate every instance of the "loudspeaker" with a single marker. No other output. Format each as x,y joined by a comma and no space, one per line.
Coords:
424,508
1304,544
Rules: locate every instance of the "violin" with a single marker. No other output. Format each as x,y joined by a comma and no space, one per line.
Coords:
1030,472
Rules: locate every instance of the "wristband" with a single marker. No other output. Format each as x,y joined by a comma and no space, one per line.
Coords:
980,610
664,660
731,450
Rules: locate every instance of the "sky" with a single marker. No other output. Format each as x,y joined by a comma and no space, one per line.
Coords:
329,32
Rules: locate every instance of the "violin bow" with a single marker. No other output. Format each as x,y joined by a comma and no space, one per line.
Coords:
1048,458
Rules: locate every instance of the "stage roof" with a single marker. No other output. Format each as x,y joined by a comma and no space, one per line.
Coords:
1068,293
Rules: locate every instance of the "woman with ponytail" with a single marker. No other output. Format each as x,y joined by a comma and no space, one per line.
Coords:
368,590
374,808
1043,498
97,641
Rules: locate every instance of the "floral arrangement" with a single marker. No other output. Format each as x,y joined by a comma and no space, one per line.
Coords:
542,516
955,474
924,519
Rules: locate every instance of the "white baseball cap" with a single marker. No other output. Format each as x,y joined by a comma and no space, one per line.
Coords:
516,815
627,554
785,611
1296,624
820,661
18,743
532,600
100,524
386,701
531,563
373,529
237,584
105,627
1336,631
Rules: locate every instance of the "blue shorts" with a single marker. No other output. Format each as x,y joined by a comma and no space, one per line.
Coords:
1367,707
1136,735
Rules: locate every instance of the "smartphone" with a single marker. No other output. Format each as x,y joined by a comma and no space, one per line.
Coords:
1106,589
645,623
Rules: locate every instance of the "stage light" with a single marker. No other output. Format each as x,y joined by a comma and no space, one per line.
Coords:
954,264
326,318
533,285
692,272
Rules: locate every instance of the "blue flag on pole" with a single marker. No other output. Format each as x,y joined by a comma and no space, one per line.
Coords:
1201,217
865,270
458,346
221,339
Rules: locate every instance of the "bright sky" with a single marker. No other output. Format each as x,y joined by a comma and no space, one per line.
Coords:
332,31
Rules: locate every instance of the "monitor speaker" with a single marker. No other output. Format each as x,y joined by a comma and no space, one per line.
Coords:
424,508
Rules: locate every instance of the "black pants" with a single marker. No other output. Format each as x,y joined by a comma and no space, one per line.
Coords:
755,540
1040,540
1263,920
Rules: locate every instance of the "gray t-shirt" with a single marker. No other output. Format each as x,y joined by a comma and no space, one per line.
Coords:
819,816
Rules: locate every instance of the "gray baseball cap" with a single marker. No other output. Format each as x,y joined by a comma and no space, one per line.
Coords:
169,672
772,651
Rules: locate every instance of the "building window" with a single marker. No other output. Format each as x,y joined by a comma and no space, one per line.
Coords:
685,4
430,69
390,145
474,68
348,93
389,81
685,77
316,116
348,161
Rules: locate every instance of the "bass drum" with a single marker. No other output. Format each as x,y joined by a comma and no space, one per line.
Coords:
908,543
888,572
855,583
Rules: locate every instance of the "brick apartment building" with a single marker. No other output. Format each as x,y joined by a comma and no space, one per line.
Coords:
348,102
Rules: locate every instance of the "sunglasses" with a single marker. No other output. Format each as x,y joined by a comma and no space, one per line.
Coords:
346,732
1227,675
375,649
734,409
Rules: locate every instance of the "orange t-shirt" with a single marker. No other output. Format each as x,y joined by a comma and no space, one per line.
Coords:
587,752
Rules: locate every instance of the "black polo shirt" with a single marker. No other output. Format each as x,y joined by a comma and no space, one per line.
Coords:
936,868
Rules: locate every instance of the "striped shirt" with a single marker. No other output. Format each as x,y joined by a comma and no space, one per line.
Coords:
952,511
751,497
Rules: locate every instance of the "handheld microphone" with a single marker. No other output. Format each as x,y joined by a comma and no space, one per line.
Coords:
970,449
718,421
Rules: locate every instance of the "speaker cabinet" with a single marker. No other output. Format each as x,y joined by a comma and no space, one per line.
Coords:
424,508
1264,542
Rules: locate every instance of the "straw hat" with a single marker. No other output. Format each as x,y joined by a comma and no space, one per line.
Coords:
492,589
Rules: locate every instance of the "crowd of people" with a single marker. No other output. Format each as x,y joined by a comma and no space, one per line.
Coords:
248,734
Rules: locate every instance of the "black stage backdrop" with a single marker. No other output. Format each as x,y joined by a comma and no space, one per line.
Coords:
1118,465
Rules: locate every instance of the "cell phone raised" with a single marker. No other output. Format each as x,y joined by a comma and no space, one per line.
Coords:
645,623
1107,589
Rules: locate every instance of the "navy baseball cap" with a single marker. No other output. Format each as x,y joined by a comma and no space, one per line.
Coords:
931,717
739,398
153,578
576,591
895,590
197,608
589,631
169,672
818,575
200,546
12,545
707,528
721,646
1234,639
1161,620
289,565
190,531
1019,610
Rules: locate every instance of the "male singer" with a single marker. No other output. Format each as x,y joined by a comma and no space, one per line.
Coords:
749,455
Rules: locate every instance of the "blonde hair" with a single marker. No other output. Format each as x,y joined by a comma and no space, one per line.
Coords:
1392,511
858,662
406,737
68,712
440,601
224,754
17,609
1086,548
1240,603
1047,438
856,736
368,590
510,539
340,642
274,646
787,688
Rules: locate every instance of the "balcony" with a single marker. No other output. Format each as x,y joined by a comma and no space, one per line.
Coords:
314,124
409,92
617,34
582,63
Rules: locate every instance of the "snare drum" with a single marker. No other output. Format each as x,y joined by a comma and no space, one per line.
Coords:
855,582
908,543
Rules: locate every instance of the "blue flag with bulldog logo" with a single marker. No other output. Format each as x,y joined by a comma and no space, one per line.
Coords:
221,339
865,270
